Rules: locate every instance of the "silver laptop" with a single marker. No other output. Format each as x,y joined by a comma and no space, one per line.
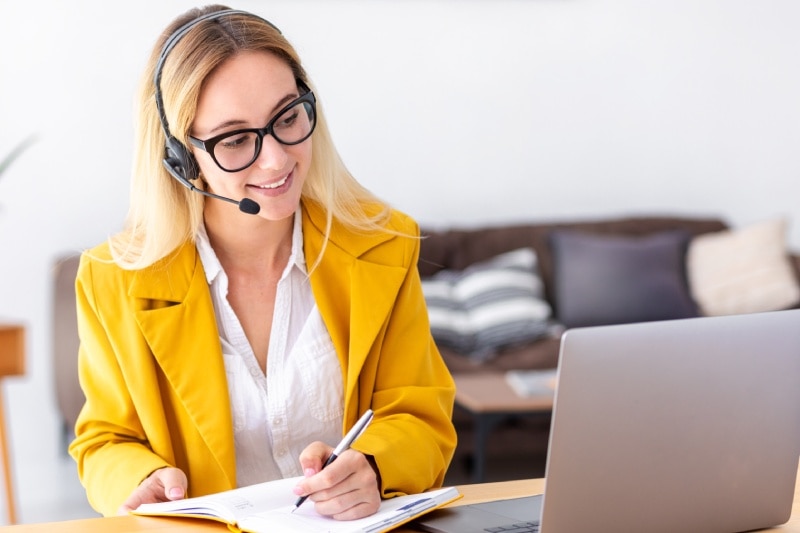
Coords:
683,425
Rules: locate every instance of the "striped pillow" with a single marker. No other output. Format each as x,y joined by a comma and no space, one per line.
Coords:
489,305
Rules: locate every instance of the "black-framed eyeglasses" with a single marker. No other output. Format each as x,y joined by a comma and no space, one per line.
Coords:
236,150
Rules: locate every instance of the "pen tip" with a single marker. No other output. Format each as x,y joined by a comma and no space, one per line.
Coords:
293,509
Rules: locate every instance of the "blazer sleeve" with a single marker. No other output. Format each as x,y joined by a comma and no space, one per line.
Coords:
412,437
110,447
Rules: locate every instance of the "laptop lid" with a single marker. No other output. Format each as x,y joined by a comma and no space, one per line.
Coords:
685,425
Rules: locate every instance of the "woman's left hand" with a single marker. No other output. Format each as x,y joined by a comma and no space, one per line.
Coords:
346,489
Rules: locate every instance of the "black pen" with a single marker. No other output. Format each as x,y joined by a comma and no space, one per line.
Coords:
347,441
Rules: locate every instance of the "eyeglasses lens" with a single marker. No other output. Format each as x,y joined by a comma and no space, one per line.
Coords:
240,149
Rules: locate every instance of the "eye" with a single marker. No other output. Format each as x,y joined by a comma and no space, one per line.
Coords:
237,141
288,119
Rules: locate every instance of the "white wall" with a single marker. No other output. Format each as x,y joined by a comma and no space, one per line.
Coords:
456,111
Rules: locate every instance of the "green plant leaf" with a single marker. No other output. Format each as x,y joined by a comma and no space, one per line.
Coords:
16,152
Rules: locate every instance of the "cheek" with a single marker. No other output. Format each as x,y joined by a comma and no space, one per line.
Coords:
302,154
210,173
205,164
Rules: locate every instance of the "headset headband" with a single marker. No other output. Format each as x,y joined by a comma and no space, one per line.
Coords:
173,39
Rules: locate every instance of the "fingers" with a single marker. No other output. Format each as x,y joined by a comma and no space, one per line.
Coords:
173,481
346,489
313,457
162,485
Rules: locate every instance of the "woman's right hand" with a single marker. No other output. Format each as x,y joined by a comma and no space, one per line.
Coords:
162,485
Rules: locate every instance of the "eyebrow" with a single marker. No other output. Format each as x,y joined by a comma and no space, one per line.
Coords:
238,122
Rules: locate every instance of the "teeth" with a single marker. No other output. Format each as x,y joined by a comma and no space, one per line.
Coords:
274,185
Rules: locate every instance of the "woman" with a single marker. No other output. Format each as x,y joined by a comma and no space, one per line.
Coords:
231,337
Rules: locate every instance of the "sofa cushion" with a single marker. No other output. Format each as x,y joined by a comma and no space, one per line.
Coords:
605,279
746,270
489,305
457,248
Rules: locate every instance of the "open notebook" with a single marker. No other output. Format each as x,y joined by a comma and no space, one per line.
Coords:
267,507
685,425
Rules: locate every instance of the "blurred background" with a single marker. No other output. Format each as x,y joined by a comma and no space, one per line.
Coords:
459,112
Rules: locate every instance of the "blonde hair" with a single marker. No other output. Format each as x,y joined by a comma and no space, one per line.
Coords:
164,214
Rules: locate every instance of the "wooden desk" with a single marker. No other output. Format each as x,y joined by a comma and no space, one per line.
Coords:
489,399
131,524
472,494
12,363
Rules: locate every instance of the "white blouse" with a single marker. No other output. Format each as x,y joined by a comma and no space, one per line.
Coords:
300,400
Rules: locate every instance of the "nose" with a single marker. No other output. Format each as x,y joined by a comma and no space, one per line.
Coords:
273,154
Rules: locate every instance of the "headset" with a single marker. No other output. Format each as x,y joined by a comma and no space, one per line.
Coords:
178,160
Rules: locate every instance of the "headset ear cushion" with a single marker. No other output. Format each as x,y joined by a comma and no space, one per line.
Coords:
179,161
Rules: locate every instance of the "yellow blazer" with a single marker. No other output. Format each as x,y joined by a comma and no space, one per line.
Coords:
152,370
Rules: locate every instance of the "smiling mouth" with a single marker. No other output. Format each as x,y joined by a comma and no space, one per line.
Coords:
273,185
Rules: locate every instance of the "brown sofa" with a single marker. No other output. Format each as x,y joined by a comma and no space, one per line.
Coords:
69,396
457,248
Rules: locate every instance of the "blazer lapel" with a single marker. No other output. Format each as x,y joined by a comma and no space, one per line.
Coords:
181,330
355,296
374,290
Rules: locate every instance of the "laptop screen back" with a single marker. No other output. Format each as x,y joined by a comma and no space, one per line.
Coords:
685,425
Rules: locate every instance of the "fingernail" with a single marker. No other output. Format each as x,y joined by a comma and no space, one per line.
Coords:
175,493
308,472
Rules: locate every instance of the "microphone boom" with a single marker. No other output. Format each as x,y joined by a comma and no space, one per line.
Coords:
246,205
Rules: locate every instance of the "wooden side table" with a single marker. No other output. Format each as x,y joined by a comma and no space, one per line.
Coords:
489,399
12,363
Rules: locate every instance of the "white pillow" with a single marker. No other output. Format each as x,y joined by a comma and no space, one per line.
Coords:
742,271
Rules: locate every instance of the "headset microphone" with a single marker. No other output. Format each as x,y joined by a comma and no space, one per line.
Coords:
246,205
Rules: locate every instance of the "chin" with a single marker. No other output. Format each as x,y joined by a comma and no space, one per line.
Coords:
277,213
